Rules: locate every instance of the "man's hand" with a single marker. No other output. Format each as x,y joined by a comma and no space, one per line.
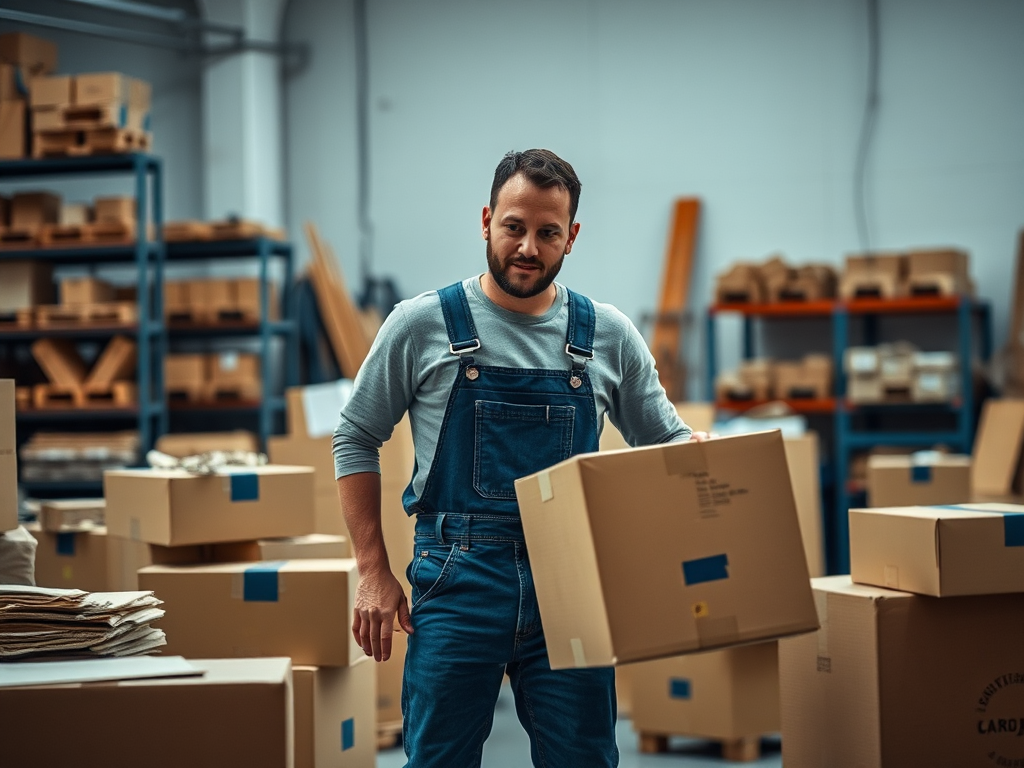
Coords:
699,437
379,598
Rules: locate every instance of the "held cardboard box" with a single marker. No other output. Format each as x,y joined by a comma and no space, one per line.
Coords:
25,284
172,507
893,680
13,130
8,458
84,290
193,443
71,560
727,694
335,720
966,549
919,479
33,54
295,608
703,535
239,712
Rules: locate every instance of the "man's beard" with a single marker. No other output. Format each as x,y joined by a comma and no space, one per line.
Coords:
545,276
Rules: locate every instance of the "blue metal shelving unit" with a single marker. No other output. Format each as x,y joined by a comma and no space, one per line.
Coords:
848,435
150,416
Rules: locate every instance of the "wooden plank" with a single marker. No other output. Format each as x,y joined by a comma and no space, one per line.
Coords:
675,287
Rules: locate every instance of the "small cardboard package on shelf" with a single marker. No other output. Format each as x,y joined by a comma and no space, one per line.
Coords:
810,378
30,211
85,290
34,55
923,478
740,284
13,130
335,718
712,544
51,92
25,284
296,608
943,272
117,210
874,276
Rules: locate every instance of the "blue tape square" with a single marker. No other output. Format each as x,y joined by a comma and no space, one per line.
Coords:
1013,529
259,582
920,474
712,568
66,544
245,487
679,688
123,116
348,734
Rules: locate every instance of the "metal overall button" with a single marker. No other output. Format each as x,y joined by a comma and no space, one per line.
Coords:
472,374
575,382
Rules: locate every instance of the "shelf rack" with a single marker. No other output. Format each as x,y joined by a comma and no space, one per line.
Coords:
968,313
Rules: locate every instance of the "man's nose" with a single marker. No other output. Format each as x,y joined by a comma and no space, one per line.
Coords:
528,246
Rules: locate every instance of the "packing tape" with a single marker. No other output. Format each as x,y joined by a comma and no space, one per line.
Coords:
579,658
348,734
891,576
920,473
258,583
242,486
685,459
679,688
701,570
821,604
66,544
1013,522
544,483
135,529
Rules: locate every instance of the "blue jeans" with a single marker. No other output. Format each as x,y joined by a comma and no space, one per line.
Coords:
475,616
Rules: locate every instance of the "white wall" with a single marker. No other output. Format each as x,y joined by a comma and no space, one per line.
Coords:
754,106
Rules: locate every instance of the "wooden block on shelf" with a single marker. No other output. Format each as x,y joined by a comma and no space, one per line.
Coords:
115,363
60,361
187,231
85,290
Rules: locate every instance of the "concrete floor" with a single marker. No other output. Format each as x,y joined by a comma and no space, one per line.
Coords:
508,747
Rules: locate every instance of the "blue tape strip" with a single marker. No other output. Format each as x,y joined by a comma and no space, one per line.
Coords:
19,81
920,474
711,568
66,544
348,734
145,122
1013,523
260,582
245,487
679,688
123,116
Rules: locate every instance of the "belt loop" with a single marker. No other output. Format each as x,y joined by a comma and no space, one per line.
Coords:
438,526
464,544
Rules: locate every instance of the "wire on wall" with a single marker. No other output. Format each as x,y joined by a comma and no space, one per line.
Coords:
867,129
363,140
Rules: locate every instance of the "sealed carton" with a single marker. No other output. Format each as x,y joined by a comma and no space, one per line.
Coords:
922,478
874,276
893,680
34,55
84,290
63,515
238,712
51,92
25,284
31,210
13,130
173,507
314,546
296,608
963,549
699,417
703,535
8,458
71,560
111,87
125,557
315,453
942,272
335,719
117,210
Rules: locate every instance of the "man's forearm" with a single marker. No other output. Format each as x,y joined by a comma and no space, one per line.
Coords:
360,503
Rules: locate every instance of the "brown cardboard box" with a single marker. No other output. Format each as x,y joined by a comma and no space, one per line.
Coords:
893,680
185,370
75,215
920,479
71,560
173,507
34,54
313,546
624,689
8,458
112,87
71,515
119,210
238,713
802,457
125,557
247,298
968,549
711,544
85,290
335,720
51,91
212,293
177,300
43,119
740,284
941,272
727,694
896,366
193,443
60,361
698,416
296,608
25,284
878,275
234,368
13,130
315,453
10,83
936,377
31,210
115,363
808,378
996,467
389,683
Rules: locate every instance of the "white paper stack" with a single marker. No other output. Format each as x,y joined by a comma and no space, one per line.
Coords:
36,622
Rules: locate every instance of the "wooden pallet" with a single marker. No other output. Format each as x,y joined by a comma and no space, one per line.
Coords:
389,735
18,239
229,229
185,393
86,315
18,320
50,397
187,231
233,392
79,235
743,750
101,141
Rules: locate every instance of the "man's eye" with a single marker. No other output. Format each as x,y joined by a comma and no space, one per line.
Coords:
512,227
547,234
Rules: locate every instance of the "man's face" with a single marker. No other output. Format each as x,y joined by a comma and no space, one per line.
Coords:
528,236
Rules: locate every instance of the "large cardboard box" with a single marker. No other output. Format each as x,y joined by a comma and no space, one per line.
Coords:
875,275
804,463
296,608
893,680
967,549
8,458
315,453
335,717
63,515
31,210
51,92
941,272
705,536
25,284
727,694
919,479
111,88
173,507
238,713
33,54
71,560
13,130
698,416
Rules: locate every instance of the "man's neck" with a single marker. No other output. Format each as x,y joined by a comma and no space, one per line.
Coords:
535,305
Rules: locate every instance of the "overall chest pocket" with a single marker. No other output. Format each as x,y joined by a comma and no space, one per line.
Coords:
513,441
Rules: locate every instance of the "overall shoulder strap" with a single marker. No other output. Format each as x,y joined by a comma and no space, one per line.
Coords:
579,337
458,320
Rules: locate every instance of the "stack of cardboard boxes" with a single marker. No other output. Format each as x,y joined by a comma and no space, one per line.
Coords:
217,300
762,379
932,272
22,58
220,376
900,373
774,281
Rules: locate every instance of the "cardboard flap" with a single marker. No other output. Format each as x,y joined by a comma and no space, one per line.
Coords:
997,447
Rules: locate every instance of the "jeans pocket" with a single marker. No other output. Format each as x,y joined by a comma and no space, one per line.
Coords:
430,568
514,441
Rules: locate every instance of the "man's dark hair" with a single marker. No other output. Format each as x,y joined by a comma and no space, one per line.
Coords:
543,168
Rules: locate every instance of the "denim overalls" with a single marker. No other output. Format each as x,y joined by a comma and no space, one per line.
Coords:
474,608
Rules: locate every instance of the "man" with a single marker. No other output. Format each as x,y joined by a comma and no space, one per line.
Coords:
502,374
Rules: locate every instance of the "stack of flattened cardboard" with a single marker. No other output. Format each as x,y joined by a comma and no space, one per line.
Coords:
22,57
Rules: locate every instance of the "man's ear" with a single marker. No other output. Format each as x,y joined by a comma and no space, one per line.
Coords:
485,220
573,231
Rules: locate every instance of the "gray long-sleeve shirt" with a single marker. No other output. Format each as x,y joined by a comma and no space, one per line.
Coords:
410,368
